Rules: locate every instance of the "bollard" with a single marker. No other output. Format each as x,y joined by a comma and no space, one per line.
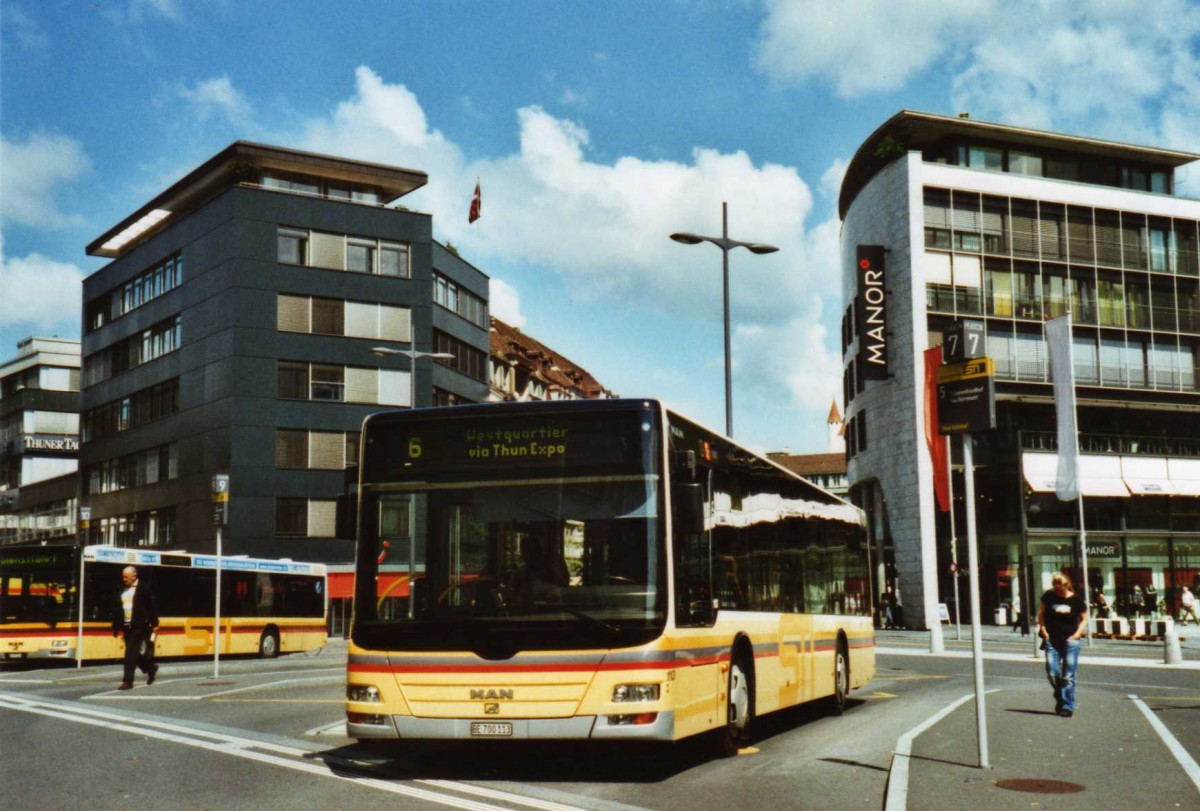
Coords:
1171,652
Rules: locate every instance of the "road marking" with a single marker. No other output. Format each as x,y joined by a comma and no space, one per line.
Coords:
278,701
1189,765
897,785
224,743
922,677
879,694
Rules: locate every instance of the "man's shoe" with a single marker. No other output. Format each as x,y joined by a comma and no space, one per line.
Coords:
150,676
125,686
1066,713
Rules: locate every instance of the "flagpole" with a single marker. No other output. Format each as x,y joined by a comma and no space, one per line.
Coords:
1074,463
1087,591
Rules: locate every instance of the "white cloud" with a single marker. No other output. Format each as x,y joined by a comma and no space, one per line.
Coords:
603,227
861,46
504,302
1094,67
32,170
831,181
40,294
217,97
167,9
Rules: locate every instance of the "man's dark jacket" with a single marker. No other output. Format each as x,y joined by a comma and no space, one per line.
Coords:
145,612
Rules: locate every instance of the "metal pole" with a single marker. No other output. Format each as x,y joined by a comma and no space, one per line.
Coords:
217,615
1087,592
976,627
412,380
79,636
953,537
728,351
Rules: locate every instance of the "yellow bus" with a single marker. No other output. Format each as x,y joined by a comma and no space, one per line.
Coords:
57,602
601,569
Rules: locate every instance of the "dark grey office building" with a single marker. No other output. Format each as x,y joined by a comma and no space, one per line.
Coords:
232,333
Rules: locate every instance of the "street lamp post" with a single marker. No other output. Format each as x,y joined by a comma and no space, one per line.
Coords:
413,355
725,244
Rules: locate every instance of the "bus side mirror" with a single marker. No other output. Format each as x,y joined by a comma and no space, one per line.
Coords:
689,508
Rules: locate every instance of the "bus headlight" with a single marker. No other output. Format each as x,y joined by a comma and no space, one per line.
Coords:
635,692
60,643
368,693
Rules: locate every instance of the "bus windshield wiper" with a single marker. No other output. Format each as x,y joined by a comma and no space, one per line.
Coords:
609,629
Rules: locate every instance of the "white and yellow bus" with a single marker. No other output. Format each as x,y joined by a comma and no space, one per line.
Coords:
594,570
57,602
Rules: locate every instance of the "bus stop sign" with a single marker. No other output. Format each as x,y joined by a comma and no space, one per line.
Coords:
966,397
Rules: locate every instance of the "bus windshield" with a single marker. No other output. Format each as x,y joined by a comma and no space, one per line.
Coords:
479,543
36,584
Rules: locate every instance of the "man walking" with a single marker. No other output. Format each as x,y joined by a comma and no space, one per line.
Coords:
1187,607
1062,620
136,615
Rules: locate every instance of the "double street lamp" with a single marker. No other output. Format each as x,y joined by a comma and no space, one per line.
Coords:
412,355
725,244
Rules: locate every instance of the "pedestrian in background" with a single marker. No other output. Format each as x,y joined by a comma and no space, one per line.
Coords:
135,614
1187,606
1062,620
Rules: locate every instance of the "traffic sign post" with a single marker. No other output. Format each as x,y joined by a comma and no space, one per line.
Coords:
966,392
220,498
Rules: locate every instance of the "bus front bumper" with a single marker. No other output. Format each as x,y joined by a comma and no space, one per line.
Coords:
586,727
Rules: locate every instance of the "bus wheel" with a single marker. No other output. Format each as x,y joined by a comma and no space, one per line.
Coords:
268,644
740,711
841,680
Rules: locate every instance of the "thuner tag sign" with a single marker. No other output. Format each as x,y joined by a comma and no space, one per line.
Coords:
871,313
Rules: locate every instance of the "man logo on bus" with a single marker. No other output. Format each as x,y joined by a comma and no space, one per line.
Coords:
490,694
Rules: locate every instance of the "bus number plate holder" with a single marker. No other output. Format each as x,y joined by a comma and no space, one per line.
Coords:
491,729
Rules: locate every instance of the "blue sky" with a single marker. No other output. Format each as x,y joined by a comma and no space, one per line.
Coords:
596,129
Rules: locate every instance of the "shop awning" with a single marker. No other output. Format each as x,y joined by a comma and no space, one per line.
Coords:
1040,471
1099,475
1147,476
1185,476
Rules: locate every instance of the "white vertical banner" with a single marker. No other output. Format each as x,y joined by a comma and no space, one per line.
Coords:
1062,372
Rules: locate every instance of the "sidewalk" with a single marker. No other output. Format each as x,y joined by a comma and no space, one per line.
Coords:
1000,642
1109,751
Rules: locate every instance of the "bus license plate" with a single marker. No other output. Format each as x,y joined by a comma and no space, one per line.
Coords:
491,730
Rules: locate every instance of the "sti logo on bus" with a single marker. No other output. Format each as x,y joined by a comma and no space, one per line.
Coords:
871,314
491,695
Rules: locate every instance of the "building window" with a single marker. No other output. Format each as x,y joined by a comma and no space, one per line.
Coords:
291,448
328,316
459,301
360,257
393,260
328,382
291,516
467,359
293,246
146,286
293,380
143,347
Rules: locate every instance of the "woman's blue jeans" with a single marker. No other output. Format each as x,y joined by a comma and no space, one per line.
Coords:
1062,660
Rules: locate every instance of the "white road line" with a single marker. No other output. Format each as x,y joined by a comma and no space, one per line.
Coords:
1185,760
897,785
243,748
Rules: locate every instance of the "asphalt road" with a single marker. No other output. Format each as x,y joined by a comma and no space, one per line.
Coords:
268,734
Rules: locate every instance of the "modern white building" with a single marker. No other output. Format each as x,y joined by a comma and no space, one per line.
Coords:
39,440
1012,226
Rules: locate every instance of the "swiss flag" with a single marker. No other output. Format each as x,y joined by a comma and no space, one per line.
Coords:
476,205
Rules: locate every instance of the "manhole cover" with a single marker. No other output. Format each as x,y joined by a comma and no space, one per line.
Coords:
1035,785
